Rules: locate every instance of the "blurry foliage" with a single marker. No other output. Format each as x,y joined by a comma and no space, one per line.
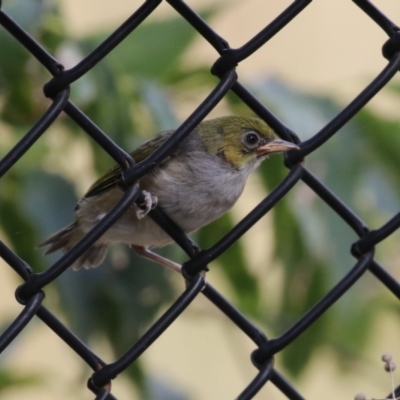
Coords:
132,92
10,379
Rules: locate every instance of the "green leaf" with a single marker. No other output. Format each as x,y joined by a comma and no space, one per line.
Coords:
16,222
382,143
10,380
20,82
234,265
154,49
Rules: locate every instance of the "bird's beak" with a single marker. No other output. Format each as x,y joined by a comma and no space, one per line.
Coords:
276,146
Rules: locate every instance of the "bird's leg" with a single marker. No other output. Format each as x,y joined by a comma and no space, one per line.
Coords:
146,253
150,202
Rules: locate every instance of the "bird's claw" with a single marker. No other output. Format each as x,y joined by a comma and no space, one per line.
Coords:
150,202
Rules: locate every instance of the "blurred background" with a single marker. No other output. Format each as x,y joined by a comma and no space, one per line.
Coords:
306,74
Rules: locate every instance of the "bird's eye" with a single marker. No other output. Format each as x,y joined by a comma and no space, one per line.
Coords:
251,139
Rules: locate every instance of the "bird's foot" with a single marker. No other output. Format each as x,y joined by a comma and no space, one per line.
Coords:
150,202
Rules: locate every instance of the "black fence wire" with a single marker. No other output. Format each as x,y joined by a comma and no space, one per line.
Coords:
31,294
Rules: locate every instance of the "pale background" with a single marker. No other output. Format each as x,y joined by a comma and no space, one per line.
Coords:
332,47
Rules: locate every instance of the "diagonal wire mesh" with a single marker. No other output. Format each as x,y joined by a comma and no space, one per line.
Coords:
31,294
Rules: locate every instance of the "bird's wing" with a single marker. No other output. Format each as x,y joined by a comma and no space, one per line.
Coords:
142,152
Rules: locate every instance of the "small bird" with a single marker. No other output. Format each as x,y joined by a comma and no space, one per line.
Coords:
197,183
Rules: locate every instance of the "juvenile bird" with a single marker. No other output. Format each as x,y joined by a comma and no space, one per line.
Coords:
200,181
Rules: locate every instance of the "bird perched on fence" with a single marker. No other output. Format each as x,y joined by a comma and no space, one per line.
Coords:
198,182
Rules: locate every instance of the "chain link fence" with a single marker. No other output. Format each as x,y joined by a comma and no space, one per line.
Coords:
31,294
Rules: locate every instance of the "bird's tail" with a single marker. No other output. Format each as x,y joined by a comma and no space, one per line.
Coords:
66,238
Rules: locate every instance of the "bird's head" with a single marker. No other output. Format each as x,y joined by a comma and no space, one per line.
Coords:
241,141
